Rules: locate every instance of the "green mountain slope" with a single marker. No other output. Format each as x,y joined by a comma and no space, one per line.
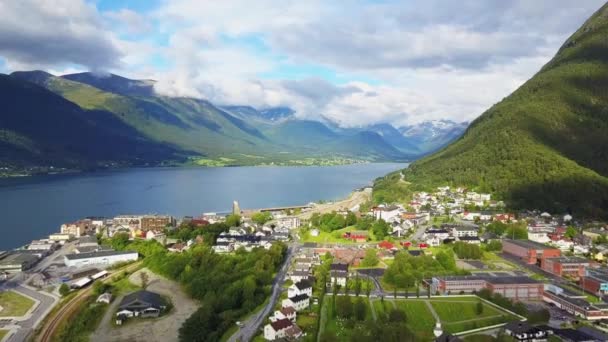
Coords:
40,128
193,125
545,146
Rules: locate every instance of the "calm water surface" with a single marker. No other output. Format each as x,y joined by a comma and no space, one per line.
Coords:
33,207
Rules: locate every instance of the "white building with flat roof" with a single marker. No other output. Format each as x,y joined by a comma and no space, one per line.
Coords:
99,258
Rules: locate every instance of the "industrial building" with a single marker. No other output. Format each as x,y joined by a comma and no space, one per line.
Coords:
99,258
17,262
574,303
572,267
512,287
595,281
529,251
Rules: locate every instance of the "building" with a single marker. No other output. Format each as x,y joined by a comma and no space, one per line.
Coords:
595,281
104,298
285,313
574,303
40,245
474,240
61,237
387,213
277,330
298,276
522,331
141,303
289,222
156,222
338,273
439,234
571,267
17,262
460,231
299,302
301,287
236,209
99,258
512,287
529,251
78,228
87,241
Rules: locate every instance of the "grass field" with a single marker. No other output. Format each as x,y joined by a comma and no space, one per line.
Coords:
14,304
456,314
3,333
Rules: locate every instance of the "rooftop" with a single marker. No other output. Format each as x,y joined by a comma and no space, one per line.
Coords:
97,254
529,244
18,258
281,324
569,260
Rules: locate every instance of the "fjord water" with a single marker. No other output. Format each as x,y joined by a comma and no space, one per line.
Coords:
33,207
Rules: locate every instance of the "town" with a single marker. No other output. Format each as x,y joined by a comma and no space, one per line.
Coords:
450,265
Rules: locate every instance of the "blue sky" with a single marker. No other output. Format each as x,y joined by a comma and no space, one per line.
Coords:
356,62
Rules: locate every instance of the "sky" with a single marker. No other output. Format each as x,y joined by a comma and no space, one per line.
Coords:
355,62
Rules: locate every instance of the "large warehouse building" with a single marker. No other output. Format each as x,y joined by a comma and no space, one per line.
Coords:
529,251
99,258
595,281
512,287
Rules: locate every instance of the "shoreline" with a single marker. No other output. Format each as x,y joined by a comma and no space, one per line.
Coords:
184,166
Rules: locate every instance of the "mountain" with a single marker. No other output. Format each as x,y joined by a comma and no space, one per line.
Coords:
40,128
190,124
114,83
544,146
392,136
236,135
430,136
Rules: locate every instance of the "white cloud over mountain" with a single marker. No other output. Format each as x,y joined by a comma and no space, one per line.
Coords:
355,62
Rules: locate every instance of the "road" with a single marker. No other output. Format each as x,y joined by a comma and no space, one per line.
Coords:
250,327
46,301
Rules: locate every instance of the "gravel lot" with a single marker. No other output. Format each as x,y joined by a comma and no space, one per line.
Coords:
149,330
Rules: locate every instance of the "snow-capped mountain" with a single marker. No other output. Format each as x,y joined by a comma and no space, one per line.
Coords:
432,135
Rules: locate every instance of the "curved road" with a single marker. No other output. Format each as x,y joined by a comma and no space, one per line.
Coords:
250,327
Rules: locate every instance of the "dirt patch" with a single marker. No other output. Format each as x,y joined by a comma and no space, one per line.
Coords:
149,330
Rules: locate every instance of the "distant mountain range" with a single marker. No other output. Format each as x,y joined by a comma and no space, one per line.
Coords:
89,120
545,146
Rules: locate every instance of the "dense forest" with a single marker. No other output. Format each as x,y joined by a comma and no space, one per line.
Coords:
543,147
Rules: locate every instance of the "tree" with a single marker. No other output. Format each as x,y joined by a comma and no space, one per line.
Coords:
344,307
417,290
396,315
360,309
351,219
119,241
144,279
570,232
380,229
64,289
368,288
261,217
498,228
370,259
357,285
517,232
479,308
494,245
233,220
99,287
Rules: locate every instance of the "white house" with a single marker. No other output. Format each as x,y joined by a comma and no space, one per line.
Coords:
538,236
297,276
289,222
440,234
386,213
474,240
460,231
287,312
277,330
299,302
104,298
301,287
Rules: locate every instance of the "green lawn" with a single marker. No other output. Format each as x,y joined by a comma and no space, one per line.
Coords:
3,333
14,304
456,313
419,318
123,286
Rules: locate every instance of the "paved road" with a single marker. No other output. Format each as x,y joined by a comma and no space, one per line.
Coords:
46,303
251,326
419,232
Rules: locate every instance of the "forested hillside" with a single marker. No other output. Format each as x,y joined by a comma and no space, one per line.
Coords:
545,146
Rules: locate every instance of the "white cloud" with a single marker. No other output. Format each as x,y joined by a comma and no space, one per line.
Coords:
43,34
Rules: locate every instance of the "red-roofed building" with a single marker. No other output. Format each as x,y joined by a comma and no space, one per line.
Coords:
277,329
423,245
386,245
356,236
406,244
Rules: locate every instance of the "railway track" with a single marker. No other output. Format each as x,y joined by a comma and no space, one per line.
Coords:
65,312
